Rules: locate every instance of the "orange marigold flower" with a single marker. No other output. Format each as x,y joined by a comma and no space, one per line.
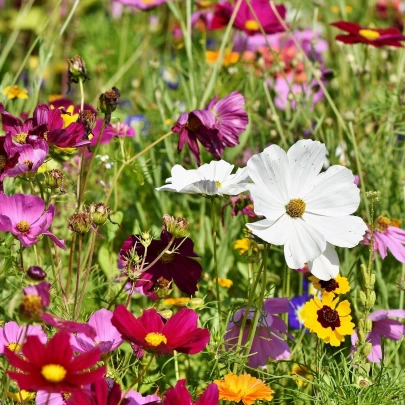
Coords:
243,388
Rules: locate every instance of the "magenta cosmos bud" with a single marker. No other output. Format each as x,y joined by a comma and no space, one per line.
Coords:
36,273
153,333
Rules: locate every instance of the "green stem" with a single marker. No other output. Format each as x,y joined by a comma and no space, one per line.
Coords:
79,254
214,239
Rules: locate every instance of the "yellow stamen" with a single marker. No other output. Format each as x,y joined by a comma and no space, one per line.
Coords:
14,347
295,208
53,372
155,339
252,25
218,183
23,226
371,35
20,138
3,160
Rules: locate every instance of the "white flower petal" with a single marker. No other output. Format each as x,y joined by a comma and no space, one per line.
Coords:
304,244
339,231
235,183
270,169
305,159
326,266
274,232
216,170
264,202
334,193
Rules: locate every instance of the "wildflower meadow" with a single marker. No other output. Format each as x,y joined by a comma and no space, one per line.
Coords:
202,202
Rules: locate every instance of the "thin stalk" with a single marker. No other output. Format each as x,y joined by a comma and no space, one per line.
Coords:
21,257
79,254
214,241
176,365
118,294
70,269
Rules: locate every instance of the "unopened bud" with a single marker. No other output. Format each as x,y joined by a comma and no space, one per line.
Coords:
162,287
80,222
146,239
362,335
108,102
196,303
166,313
99,212
349,116
366,349
88,119
178,227
76,71
36,273
371,299
55,179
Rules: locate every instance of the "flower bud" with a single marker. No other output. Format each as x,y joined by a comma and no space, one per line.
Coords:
55,179
146,239
196,303
349,116
36,273
88,120
366,349
371,299
362,335
107,103
76,71
80,222
162,287
166,313
99,212
178,227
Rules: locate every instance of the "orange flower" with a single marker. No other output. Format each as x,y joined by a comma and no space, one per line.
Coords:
243,388
229,59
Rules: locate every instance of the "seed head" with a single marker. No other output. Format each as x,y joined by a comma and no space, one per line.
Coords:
80,222
178,227
76,71
99,212
107,103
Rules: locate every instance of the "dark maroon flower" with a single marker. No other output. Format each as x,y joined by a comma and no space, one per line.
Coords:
99,393
51,367
179,395
177,264
370,36
153,333
245,19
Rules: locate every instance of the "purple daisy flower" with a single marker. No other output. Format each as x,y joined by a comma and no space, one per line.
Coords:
382,327
107,337
296,305
269,341
25,217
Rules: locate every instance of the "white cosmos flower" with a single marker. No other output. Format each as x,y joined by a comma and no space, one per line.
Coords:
305,210
212,178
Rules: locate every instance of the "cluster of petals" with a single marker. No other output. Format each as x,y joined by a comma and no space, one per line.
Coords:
306,211
216,127
179,395
211,179
151,332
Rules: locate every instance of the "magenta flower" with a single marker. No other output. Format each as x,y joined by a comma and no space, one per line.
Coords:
179,395
231,117
177,264
135,398
13,336
101,392
387,236
269,340
142,4
25,217
111,131
157,335
7,160
69,327
245,19
382,327
15,127
107,337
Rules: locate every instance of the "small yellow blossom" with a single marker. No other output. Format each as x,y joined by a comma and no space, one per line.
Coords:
177,302
224,282
21,396
15,92
230,58
337,285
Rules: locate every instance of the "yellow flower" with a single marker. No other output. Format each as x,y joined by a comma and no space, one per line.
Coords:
224,282
300,374
15,92
243,388
21,396
330,321
337,285
177,302
230,58
243,245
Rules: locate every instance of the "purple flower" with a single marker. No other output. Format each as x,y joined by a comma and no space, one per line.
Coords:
382,327
13,336
135,398
269,340
24,216
120,129
45,398
107,337
296,305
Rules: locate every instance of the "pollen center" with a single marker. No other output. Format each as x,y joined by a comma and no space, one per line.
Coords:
193,123
167,258
20,138
3,160
23,226
14,347
53,372
218,183
371,35
155,339
330,285
252,25
383,223
295,208
328,317
29,163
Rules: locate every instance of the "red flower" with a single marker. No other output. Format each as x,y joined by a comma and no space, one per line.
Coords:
154,334
100,393
370,36
51,367
179,395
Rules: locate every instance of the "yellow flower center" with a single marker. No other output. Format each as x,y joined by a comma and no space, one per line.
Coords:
167,257
224,282
3,160
66,395
383,223
295,208
31,306
20,138
29,163
14,347
371,35
155,339
218,183
252,25
23,226
53,372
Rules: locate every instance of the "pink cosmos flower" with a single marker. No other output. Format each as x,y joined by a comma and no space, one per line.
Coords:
40,290
154,334
269,340
45,398
387,236
135,398
25,217
107,337
180,395
245,19
120,129
142,4
13,336
382,327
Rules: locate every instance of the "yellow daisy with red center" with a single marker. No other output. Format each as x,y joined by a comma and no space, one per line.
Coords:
328,318
337,285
